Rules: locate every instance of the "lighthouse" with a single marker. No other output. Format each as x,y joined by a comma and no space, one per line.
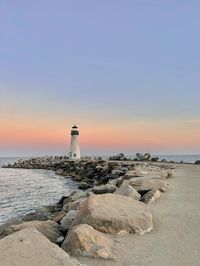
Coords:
74,149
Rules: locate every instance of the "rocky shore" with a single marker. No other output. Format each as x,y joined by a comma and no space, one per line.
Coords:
114,198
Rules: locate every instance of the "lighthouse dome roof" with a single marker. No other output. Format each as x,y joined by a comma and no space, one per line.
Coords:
75,127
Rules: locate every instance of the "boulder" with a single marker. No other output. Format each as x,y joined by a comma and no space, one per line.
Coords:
86,241
66,222
128,191
58,216
74,205
108,188
154,159
117,172
116,181
49,229
29,247
151,196
147,156
118,157
145,184
112,213
5,226
133,173
41,214
75,196
139,156
84,185
197,162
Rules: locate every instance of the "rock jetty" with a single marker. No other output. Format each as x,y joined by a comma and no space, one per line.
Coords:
114,197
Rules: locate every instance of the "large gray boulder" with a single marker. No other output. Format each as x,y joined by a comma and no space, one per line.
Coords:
108,188
29,247
66,222
112,213
128,191
86,241
50,229
75,196
145,184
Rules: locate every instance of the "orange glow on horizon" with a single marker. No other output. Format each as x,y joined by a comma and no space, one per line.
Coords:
148,134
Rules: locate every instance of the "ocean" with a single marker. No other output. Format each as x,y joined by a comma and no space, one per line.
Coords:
178,158
22,191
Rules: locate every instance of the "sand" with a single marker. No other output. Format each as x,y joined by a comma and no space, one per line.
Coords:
175,239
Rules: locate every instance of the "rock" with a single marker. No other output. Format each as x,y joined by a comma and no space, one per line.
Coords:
197,162
29,247
5,226
117,172
58,216
147,157
59,172
139,156
83,185
49,229
111,213
154,159
119,157
128,191
151,196
66,222
75,196
86,241
170,173
131,174
74,205
104,189
41,214
61,201
152,172
116,181
142,184
105,179
60,240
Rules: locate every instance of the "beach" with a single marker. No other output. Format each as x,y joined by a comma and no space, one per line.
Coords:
175,238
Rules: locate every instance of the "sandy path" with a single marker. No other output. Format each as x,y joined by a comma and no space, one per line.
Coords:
175,239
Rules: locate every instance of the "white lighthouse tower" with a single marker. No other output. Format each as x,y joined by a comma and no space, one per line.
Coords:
74,149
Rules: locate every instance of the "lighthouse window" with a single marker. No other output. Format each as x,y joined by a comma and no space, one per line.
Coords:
74,154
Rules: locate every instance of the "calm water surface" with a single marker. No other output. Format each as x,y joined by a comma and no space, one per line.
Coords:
22,191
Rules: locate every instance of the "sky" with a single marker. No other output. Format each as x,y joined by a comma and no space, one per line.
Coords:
125,71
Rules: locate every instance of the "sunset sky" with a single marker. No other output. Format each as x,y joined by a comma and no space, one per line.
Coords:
126,71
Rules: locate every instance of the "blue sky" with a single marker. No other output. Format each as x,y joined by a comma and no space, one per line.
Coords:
96,61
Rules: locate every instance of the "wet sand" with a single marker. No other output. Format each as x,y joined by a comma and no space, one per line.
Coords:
175,239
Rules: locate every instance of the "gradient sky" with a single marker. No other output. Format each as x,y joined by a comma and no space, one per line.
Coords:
126,71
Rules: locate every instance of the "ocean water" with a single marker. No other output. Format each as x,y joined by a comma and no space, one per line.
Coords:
179,158
175,158
22,191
